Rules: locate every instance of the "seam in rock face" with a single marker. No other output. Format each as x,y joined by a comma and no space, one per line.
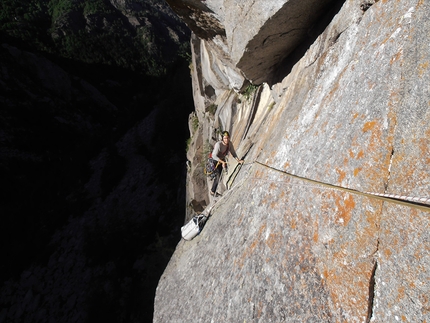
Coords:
366,4
392,135
333,40
280,35
389,171
238,26
391,161
387,182
250,7
371,292
254,107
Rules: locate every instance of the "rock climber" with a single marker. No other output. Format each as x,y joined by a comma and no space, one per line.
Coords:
220,151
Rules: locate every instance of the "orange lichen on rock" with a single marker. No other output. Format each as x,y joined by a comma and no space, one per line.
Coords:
249,251
258,174
315,236
396,57
342,175
345,207
375,138
424,147
354,116
374,217
369,126
401,292
293,223
345,280
273,241
273,204
378,153
422,68
357,170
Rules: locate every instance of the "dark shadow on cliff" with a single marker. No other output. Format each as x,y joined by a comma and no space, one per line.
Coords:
285,67
48,143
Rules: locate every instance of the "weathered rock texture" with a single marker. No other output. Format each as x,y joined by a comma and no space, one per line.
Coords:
256,35
353,112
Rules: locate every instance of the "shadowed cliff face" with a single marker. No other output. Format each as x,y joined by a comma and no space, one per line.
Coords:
86,231
353,113
139,35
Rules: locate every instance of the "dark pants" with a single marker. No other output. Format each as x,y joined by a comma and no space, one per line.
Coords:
218,172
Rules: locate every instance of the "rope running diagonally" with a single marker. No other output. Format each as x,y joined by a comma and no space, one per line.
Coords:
415,202
420,203
230,190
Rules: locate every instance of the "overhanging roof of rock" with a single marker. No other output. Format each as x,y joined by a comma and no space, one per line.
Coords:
198,17
258,34
258,51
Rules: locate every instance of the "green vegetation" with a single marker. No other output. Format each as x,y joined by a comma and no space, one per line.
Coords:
250,89
25,21
207,149
185,53
195,123
187,144
212,109
96,6
133,63
94,31
271,105
195,126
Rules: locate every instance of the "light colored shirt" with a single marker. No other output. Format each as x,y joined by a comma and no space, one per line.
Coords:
220,151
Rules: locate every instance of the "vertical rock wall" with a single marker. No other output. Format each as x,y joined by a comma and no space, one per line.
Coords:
353,113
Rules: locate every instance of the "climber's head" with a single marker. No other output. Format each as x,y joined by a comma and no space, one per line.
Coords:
225,137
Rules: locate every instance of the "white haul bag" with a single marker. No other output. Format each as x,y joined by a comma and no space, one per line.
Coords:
193,227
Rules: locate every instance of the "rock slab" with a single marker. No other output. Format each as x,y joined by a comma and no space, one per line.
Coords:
354,113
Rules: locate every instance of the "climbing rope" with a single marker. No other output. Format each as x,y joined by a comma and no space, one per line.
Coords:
421,203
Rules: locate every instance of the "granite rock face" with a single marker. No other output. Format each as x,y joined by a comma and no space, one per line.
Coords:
353,112
257,35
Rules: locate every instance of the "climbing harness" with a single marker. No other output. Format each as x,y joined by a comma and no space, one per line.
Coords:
210,168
